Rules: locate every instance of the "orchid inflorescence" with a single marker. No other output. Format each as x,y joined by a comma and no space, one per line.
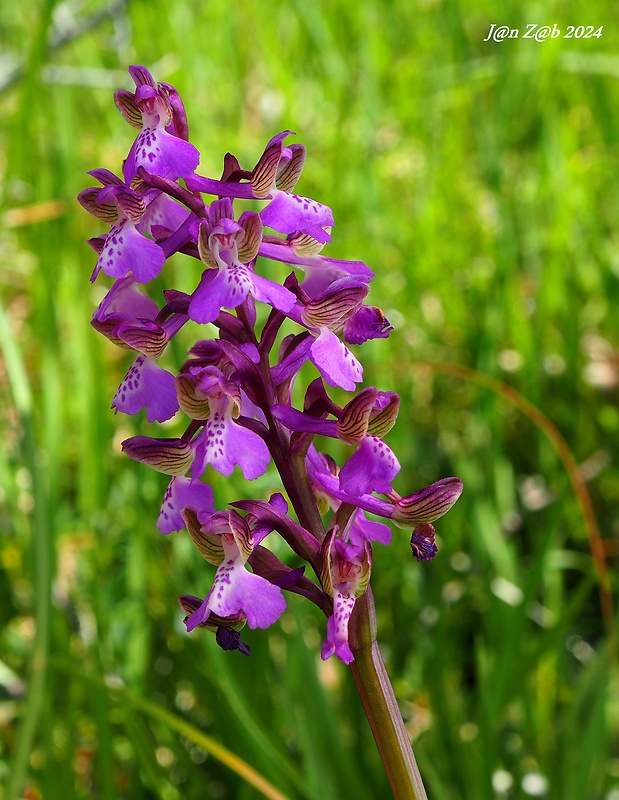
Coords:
237,390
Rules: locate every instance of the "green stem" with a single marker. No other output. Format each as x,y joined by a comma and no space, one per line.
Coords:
368,668
380,704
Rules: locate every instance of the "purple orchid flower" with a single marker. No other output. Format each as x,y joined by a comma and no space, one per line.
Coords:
223,442
414,511
125,251
373,466
157,150
238,391
345,575
273,178
322,316
229,247
227,541
359,528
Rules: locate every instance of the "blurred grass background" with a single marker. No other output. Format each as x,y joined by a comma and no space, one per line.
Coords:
479,181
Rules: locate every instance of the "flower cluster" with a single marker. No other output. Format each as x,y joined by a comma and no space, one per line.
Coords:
236,391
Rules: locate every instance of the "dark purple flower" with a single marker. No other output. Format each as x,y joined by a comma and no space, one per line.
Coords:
226,629
368,322
423,542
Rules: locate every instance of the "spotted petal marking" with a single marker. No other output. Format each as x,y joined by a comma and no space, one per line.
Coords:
126,250
336,642
227,289
183,493
336,363
288,213
147,385
161,154
224,444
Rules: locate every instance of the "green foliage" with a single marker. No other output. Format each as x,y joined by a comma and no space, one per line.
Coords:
479,181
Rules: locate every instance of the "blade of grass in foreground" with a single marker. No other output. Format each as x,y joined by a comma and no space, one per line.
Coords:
42,550
229,759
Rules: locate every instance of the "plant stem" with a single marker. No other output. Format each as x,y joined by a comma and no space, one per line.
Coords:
380,704
368,668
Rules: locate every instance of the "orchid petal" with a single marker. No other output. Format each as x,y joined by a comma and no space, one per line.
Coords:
183,493
371,468
147,385
335,361
161,154
126,250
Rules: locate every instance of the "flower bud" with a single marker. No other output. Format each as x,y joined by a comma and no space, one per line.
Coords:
170,456
344,568
384,414
352,426
423,542
427,504
334,306
207,544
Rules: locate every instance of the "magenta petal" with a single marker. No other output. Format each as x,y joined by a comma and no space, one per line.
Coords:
205,306
126,250
261,601
288,213
297,420
161,154
365,530
126,300
371,468
183,493
336,642
293,362
223,444
336,363
163,212
331,485
148,386
332,268
250,451
235,590
272,294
